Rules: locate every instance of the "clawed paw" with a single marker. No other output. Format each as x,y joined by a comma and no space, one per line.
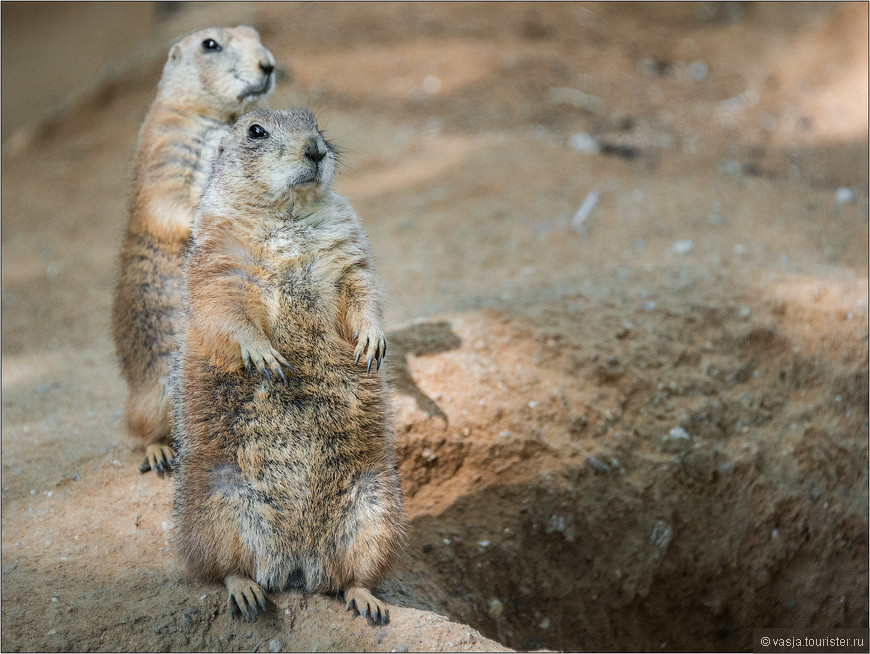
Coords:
245,598
367,605
264,360
371,342
158,457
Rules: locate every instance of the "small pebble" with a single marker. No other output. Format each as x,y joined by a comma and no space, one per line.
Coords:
678,433
276,645
484,543
495,608
401,648
585,210
661,534
576,98
697,70
844,195
683,247
583,142
431,84
597,464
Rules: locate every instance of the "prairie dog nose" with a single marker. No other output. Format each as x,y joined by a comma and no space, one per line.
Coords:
312,151
267,67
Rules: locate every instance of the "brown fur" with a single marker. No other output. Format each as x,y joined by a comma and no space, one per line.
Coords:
283,484
200,94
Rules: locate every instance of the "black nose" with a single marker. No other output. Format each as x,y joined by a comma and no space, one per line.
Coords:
312,151
267,68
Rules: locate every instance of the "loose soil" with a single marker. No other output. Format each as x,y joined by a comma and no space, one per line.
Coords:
648,431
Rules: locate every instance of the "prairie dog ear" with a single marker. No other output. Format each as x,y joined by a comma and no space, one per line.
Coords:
249,29
175,52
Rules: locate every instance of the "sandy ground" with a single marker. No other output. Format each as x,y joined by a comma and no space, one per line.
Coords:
648,431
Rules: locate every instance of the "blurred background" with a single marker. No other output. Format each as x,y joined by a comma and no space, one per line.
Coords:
624,248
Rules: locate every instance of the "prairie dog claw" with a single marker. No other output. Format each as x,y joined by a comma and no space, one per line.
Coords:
367,605
370,340
159,457
245,597
265,360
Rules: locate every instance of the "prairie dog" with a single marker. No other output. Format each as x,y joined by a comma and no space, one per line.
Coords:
286,474
209,78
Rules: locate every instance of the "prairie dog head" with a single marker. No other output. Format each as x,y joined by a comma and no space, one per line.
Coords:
274,161
218,71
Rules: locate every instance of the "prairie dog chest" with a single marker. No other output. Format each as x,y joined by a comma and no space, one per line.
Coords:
308,262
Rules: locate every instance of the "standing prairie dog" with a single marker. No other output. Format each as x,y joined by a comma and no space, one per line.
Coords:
209,78
286,474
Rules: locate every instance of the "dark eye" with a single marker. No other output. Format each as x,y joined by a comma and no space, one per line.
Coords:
256,131
211,44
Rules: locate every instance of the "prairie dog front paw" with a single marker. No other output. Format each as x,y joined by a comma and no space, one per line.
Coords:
264,358
370,340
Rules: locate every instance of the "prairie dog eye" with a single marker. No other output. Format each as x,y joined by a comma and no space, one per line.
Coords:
257,131
211,45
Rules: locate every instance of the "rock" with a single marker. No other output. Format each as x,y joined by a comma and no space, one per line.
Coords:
276,645
677,440
576,98
580,216
431,84
697,70
661,535
400,648
583,142
597,464
495,608
683,247
844,195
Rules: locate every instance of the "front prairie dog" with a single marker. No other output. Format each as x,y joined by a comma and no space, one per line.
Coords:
286,474
209,78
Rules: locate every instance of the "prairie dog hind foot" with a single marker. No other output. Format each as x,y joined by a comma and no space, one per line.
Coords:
244,597
159,457
366,604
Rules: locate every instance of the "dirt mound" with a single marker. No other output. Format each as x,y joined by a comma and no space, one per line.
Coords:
552,514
